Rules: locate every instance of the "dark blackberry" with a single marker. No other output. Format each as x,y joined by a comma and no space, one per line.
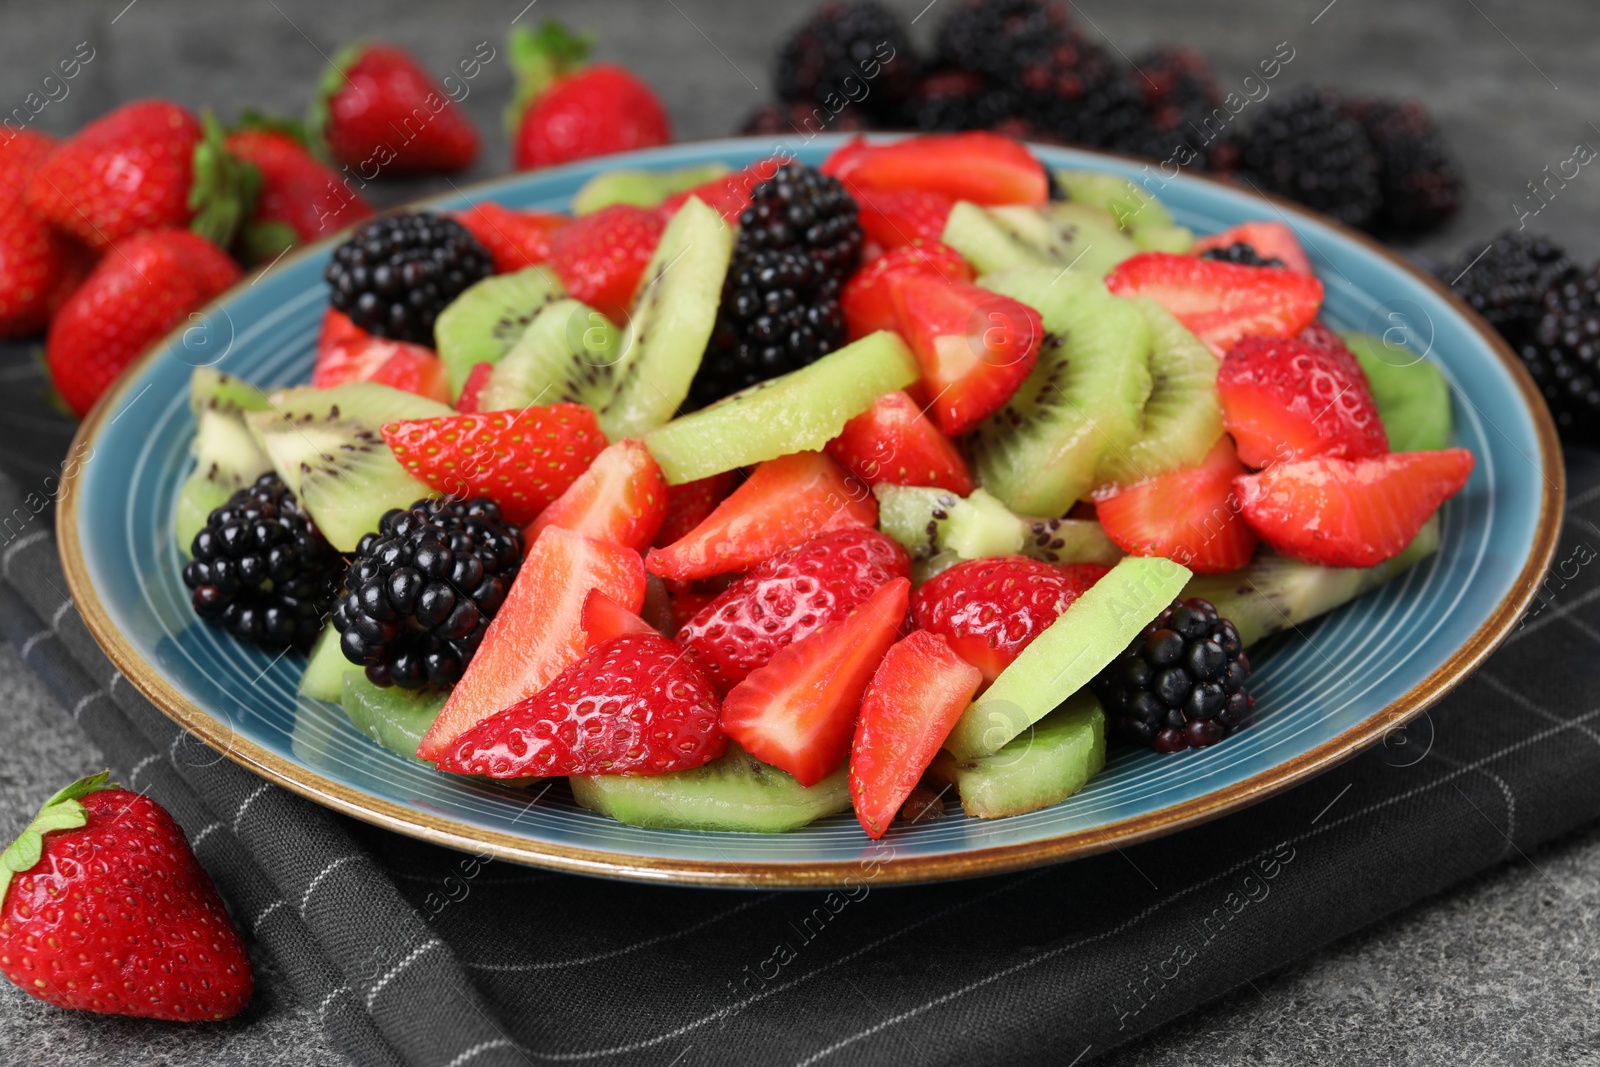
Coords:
1183,683
1185,121
1174,83
260,569
1018,43
1096,105
838,55
396,273
1507,282
421,591
1563,355
948,100
1243,253
1420,180
803,119
798,241
1306,148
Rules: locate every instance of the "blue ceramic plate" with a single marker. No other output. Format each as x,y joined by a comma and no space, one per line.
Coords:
1323,694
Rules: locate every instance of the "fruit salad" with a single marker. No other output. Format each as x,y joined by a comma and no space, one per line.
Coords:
742,498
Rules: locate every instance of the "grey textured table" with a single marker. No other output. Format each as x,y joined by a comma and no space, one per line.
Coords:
1482,975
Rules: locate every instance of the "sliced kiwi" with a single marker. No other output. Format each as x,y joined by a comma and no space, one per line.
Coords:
226,457
1082,400
1067,541
327,446
737,792
1131,207
1182,419
1042,766
395,718
941,529
1178,240
566,355
1412,396
1065,236
800,411
325,669
1068,654
483,323
641,188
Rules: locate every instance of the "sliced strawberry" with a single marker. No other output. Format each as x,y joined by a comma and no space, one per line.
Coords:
477,378
1285,399
986,168
1271,240
1320,335
637,704
522,460
895,217
915,697
1221,302
868,303
347,353
894,443
974,346
1350,513
788,597
798,713
689,504
785,502
991,609
621,498
684,604
414,369
601,257
604,619
728,195
538,631
1190,516
516,239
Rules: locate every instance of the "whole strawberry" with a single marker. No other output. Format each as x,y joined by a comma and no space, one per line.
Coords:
138,292
566,111
39,265
301,200
379,111
104,908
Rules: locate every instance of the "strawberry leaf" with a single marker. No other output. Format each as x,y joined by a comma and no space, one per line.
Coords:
333,80
64,811
538,59
225,187
251,119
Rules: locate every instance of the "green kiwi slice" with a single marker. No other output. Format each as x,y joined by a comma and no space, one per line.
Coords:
1083,399
1065,237
395,718
641,188
325,669
737,792
1134,211
483,323
566,355
226,457
1412,395
327,446
1044,765
940,528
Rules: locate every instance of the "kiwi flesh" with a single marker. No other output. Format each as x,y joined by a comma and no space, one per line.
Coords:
641,188
1412,395
483,323
1182,419
327,446
1065,237
1137,214
565,355
797,412
940,528
226,457
1082,400
736,793
1068,654
1044,765
395,718
325,669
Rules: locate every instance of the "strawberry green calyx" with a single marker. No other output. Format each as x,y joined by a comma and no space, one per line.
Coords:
333,79
61,812
225,187
263,241
251,119
538,59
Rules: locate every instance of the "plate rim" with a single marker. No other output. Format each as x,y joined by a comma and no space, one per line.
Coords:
887,870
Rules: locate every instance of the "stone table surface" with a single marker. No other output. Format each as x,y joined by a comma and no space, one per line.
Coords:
1459,979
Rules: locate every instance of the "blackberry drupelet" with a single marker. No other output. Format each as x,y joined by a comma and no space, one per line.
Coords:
396,273
1420,181
1563,355
1307,148
798,241
1243,253
261,570
421,591
1182,683
839,53
1507,282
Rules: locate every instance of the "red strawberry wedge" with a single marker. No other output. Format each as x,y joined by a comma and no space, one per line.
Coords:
104,908
986,168
896,217
868,301
975,347
538,631
347,353
522,460
915,697
787,598
1285,399
1271,240
689,504
728,195
1221,302
605,619
785,502
1350,512
381,112
621,498
472,388
894,443
637,705
1190,516
515,239
601,257
798,713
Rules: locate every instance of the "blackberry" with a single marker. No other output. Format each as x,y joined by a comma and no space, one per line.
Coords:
1243,253
839,53
1183,111
805,119
1176,82
422,589
949,100
1563,355
1419,178
396,273
798,241
1018,43
1307,148
1182,683
1507,282
260,569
